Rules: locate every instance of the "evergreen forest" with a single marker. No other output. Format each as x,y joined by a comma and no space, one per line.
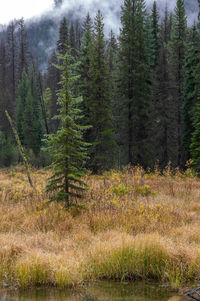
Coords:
134,97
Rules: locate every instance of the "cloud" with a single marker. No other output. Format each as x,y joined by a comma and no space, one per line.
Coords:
15,9
111,10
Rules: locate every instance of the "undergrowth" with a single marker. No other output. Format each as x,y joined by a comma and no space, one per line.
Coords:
130,226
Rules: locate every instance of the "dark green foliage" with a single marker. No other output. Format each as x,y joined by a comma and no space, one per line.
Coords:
63,40
53,79
28,118
54,74
191,90
23,49
164,137
5,95
155,33
84,81
192,103
66,146
8,151
42,159
72,40
112,62
78,35
134,84
101,133
11,61
140,93
195,142
112,51
46,96
178,48
21,102
32,125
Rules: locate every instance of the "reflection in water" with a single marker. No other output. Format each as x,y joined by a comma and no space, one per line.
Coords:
101,291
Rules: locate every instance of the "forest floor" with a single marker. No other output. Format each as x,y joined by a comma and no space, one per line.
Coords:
133,226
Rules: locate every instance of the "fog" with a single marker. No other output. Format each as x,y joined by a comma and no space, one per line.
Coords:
111,10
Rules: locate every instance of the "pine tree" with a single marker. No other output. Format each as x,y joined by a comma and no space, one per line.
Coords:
178,48
101,133
28,118
191,90
63,40
165,141
134,85
66,146
12,64
45,112
72,40
83,70
54,74
53,79
23,49
32,125
195,141
112,50
47,105
112,60
150,44
8,152
4,97
78,35
21,103
155,31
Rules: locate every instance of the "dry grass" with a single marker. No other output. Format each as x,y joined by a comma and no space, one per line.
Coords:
135,226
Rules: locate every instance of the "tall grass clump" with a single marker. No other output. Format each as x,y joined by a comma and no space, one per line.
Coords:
124,258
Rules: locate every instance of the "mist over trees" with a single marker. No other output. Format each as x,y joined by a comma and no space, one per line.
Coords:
139,91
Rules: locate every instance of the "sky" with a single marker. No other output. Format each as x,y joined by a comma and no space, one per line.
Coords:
15,9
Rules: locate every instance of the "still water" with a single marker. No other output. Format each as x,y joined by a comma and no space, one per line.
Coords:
101,291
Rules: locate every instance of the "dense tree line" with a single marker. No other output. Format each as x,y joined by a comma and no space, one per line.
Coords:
139,93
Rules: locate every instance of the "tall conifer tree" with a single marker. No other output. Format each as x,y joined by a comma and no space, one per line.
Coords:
72,40
28,119
21,103
165,141
155,32
112,60
32,125
191,91
134,83
11,46
23,49
63,40
54,74
178,48
101,133
195,140
53,79
84,67
66,145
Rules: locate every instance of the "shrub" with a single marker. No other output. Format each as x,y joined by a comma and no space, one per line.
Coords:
8,152
145,190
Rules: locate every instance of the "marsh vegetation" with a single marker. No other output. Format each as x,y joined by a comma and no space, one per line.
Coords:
130,226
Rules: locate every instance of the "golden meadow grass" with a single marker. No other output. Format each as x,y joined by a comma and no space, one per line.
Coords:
134,226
